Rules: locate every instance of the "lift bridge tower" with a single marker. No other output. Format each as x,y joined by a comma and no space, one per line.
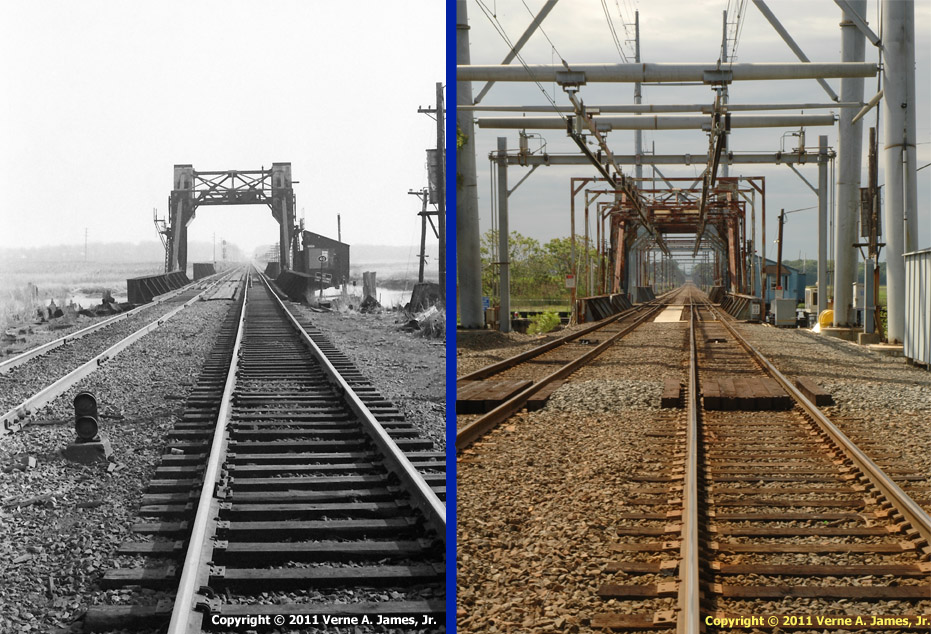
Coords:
192,189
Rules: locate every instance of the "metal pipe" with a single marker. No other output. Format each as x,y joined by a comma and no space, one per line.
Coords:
653,72
660,108
822,223
899,156
468,239
504,273
777,158
868,106
849,148
657,122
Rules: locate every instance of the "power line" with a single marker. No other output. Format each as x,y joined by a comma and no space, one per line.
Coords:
617,42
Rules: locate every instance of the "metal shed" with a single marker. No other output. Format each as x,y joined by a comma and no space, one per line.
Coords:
917,340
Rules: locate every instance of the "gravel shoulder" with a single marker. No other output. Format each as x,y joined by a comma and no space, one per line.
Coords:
407,369
60,522
30,335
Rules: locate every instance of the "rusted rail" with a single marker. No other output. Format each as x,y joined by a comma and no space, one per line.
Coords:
485,423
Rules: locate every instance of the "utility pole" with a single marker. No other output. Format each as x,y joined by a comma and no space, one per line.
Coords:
441,185
782,222
85,244
870,229
439,182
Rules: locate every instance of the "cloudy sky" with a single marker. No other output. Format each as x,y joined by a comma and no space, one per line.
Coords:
102,98
678,31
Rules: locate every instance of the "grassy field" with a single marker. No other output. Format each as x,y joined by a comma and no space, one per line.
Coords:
58,281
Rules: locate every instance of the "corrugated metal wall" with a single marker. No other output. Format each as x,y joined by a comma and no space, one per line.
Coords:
918,306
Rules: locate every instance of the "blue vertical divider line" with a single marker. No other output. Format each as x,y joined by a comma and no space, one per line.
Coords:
451,310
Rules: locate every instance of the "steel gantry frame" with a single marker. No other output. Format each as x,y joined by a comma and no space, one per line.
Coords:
193,189
896,92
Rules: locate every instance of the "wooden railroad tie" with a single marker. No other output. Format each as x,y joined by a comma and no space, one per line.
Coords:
744,393
538,400
813,392
672,391
478,397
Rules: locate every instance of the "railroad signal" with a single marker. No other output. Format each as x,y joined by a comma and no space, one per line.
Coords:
86,418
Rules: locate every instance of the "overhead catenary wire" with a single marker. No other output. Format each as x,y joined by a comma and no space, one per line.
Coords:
493,19
617,42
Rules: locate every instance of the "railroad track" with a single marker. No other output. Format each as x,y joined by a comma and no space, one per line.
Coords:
529,378
773,514
290,489
62,363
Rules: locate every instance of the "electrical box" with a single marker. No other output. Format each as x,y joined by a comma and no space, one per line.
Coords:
858,296
784,312
811,299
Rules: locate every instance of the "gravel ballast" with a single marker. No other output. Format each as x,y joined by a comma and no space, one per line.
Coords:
63,521
539,498
876,397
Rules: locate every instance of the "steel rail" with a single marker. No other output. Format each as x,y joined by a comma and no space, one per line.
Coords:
19,359
9,424
900,500
422,494
510,362
689,617
482,425
194,574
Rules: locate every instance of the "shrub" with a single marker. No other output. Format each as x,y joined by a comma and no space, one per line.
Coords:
544,322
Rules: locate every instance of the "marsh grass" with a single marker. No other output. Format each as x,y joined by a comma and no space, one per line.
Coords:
58,281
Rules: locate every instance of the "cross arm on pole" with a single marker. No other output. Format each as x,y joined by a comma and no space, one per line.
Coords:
859,22
804,180
784,34
519,45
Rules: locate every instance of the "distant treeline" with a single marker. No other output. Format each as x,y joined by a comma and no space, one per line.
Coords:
810,268
109,252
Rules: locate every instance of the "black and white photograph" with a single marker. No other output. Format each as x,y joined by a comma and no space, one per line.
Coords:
223,307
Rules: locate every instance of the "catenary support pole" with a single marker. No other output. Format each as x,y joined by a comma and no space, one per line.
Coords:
899,156
468,248
822,223
849,147
638,135
504,273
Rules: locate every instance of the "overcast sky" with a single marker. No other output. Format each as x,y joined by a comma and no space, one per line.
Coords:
102,98
678,31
